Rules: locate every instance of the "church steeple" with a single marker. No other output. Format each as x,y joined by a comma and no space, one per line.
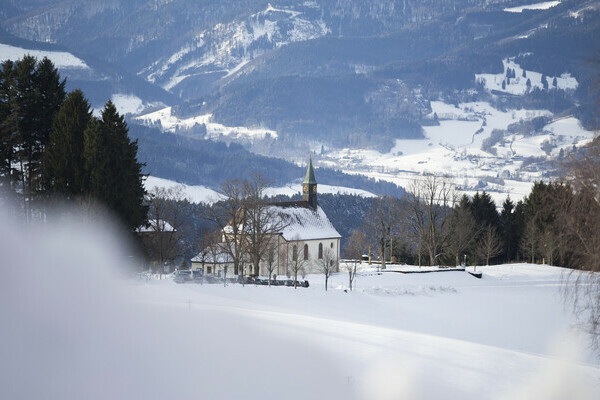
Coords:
309,186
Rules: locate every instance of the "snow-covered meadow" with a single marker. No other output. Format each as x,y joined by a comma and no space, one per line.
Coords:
61,59
75,326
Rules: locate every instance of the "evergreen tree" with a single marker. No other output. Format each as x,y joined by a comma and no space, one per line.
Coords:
509,229
95,159
30,95
50,96
25,108
484,210
8,126
123,190
544,82
64,162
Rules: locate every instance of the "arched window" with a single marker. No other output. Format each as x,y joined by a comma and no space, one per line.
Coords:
295,253
306,252
320,250
331,245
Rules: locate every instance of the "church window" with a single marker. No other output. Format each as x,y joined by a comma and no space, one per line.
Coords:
306,252
295,253
320,250
331,245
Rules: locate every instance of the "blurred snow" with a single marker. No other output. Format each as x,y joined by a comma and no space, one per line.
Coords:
77,324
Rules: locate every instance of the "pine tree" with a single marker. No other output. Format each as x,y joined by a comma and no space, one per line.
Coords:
509,229
95,159
50,96
544,82
25,108
64,162
124,190
30,96
8,126
484,210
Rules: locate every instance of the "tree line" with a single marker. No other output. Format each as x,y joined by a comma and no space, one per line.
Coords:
53,148
558,223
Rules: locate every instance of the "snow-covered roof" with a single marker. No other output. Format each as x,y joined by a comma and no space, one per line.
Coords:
156,226
217,256
302,222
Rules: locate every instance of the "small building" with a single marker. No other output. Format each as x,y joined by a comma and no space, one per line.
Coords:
157,239
213,260
306,238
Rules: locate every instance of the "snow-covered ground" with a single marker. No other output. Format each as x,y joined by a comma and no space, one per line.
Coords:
536,6
518,84
166,121
194,193
60,59
454,148
202,194
226,48
74,328
131,104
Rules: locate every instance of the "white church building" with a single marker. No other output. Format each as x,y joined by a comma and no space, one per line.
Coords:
307,238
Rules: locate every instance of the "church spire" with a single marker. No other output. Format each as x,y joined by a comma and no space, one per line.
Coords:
310,173
309,186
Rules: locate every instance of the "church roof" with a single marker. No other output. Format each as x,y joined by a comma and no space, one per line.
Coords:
310,173
302,222
154,225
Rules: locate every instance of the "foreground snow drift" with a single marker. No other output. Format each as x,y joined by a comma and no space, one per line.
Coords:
74,329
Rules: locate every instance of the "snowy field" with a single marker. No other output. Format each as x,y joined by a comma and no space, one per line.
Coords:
536,6
203,194
60,59
75,327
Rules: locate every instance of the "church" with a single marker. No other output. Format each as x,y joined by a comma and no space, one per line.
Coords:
306,240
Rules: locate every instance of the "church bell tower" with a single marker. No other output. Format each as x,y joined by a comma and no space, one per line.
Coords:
309,186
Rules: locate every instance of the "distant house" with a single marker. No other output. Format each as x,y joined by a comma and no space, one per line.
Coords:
158,239
307,237
213,260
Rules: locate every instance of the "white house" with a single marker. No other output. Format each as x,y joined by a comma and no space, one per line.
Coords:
307,237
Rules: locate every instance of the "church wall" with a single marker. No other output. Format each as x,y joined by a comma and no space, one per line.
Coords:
312,266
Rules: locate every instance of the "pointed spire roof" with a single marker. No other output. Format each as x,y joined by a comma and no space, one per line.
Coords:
310,173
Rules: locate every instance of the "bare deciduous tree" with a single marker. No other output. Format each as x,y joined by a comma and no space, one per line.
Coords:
229,218
490,244
296,260
269,259
580,218
431,200
529,240
261,221
168,214
381,222
328,264
354,250
462,232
